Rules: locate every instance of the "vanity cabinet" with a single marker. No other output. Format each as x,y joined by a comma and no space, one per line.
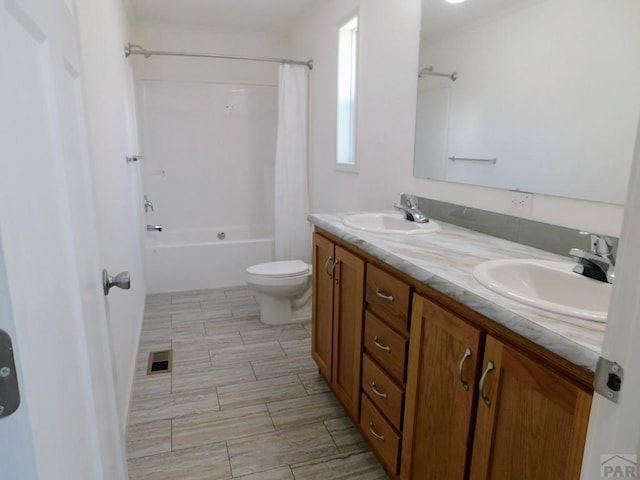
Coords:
438,390
338,305
531,423
384,360
444,361
516,419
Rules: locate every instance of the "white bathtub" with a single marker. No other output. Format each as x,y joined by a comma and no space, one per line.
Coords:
197,259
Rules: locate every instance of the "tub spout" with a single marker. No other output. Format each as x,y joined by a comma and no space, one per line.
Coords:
152,228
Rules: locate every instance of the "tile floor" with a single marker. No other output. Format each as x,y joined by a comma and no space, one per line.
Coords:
244,400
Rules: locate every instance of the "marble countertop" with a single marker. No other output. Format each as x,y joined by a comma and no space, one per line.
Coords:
444,261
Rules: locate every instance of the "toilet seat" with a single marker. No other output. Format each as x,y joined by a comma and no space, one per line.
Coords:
282,269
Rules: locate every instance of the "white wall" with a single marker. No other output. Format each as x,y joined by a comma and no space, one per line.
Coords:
112,135
389,46
208,126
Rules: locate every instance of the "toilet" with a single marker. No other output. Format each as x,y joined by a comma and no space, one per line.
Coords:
285,289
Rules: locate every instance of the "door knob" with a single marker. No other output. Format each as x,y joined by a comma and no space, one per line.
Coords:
121,280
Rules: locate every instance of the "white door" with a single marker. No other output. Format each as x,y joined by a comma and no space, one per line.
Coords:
51,299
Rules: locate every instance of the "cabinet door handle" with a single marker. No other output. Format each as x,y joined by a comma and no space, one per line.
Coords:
489,368
386,348
374,433
467,354
378,393
385,296
326,265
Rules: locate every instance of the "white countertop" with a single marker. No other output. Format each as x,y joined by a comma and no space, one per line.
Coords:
444,261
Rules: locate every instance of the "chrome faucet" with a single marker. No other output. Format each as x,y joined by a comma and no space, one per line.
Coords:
151,228
148,204
598,263
411,209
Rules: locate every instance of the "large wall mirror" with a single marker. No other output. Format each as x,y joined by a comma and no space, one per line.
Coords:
545,96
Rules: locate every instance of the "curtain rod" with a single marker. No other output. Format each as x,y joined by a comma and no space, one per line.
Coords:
429,71
131,49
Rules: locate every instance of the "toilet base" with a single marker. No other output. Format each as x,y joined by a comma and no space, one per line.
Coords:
278,311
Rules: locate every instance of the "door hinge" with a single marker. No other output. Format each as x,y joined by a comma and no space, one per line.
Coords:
608,379
9,393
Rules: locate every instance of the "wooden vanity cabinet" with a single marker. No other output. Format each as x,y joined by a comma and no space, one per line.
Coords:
470,400
444,360
531,423
338,305
522,421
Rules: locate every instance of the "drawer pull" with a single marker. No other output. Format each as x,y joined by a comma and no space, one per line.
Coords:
384,296
374,433
467,354
386,348
375,390
485,399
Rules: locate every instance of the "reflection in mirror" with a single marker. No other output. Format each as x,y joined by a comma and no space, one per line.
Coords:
545,96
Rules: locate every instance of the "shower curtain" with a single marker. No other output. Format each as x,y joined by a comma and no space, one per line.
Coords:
292,232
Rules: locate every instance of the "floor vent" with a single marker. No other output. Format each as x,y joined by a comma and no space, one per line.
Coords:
160,362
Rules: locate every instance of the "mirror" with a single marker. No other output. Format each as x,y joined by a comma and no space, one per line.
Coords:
546,95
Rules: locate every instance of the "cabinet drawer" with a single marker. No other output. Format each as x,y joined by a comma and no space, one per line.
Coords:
386,346
384,440
383,391
388,297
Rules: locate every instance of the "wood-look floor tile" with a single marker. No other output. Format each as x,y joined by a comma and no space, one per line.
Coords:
242,310
200,316
209,462
148,438
308,327
194,430
211,377
162,321
314,382
239,292
291,365
243,354
260,392
283,447
297,347
279,333
304,410
357,466
173,309
152,386
173,405
346,435
282,473
232,325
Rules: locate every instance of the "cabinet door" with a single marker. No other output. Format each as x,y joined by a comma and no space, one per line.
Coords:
444,355
322,326
531,423
348,307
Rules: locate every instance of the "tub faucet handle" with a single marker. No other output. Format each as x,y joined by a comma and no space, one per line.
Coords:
151,228
148,204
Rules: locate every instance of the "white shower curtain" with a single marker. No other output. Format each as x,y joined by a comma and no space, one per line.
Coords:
292,232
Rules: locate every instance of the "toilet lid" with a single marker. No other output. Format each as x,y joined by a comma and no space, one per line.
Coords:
287,268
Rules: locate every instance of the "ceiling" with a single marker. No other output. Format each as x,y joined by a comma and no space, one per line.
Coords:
246,14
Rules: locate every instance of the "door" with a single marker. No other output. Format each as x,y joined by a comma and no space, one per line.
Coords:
348,309
531,423
322,333
444,356
51,299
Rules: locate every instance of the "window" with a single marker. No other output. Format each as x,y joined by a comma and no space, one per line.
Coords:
347,90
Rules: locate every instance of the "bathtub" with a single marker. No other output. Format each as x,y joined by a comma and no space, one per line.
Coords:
181,260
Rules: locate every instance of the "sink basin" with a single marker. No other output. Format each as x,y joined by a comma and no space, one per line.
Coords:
551,286
388,223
